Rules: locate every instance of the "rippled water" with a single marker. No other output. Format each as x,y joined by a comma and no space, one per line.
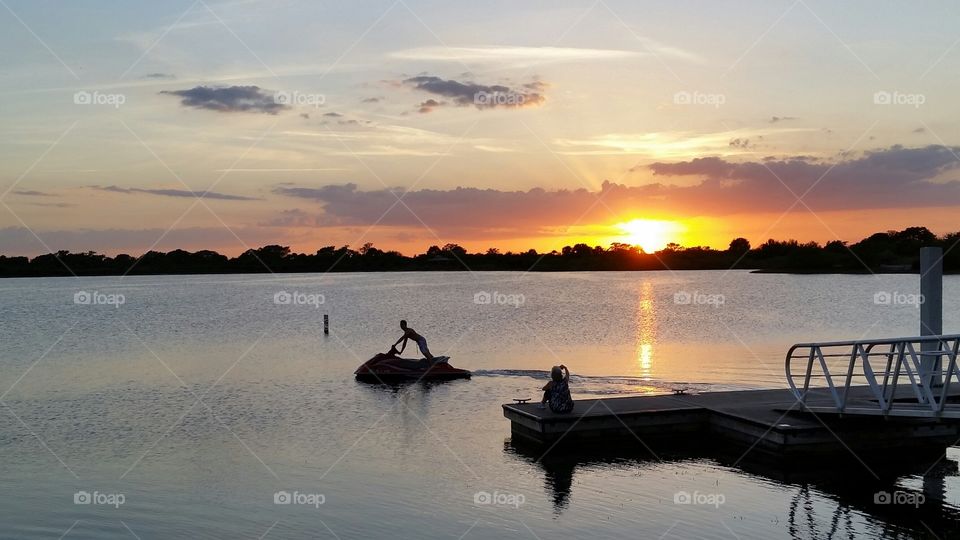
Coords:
200,397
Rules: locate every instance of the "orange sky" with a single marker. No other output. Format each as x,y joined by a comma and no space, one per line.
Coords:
247,123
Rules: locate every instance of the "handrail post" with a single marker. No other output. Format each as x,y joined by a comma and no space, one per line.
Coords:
931,312
806,380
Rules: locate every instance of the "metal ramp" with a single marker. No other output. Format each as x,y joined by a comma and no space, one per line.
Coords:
910,377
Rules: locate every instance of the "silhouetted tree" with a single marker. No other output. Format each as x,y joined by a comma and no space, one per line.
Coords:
455,250
739,246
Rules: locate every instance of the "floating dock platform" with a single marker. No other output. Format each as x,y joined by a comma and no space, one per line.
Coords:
773,421
862,396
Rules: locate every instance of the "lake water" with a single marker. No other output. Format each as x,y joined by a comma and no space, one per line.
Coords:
185,410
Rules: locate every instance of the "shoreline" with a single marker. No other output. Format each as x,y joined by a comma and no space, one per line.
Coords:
798,272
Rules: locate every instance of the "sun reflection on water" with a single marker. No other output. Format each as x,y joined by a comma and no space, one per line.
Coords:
646,329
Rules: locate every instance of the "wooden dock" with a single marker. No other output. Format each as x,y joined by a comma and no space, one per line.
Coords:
767,420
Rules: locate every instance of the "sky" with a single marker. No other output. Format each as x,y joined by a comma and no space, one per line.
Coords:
131,125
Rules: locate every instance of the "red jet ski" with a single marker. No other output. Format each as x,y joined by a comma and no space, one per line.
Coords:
387,368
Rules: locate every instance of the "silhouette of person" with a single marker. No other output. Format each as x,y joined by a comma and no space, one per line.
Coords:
556,393
411,334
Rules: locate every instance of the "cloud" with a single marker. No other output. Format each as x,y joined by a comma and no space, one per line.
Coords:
494,149
499,54
467,210
343,121
31,193
775,119
389,150
919,130
294,217
481,96
526,56
429,105
53,205
228,99
159,76
177,193
895,177
677,144
371,100
887,178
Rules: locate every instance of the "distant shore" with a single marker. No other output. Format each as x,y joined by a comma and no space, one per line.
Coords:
798,272
891,252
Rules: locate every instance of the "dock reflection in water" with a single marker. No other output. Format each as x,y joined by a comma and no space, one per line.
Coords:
904,496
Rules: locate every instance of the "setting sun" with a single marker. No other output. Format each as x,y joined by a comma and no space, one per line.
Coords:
650,234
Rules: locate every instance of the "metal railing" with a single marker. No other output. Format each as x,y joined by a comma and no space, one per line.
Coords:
929,363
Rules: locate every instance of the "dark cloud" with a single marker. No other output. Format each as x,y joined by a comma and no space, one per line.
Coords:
371,100
920,130
429,105
31,193
463,209
294,217
333,114
159,76
775,119
343,121
895,177
887,178
177,193
481,96
740,143
229,99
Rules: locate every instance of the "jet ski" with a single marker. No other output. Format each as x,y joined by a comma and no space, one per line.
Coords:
385,368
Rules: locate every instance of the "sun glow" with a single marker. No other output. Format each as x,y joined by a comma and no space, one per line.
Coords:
650,234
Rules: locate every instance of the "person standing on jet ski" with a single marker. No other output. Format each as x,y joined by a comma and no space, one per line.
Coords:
410,333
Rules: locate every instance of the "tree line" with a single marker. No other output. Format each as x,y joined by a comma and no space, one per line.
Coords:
891,251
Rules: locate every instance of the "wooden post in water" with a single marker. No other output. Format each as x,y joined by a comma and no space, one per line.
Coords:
931,309
326,324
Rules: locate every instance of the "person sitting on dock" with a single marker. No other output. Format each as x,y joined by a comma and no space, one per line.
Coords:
410,333
556,393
